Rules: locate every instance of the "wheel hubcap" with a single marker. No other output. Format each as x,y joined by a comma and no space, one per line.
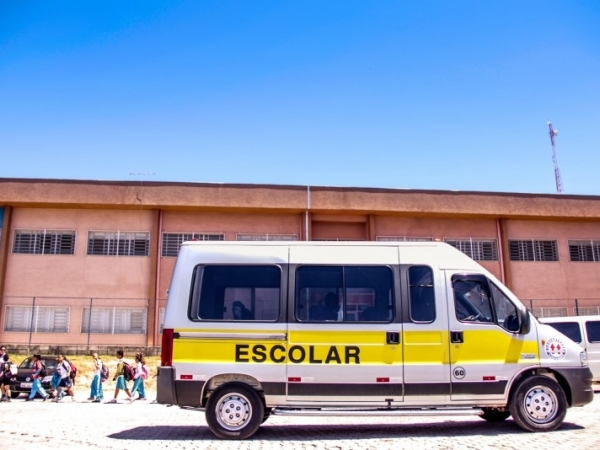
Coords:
540,404
233,411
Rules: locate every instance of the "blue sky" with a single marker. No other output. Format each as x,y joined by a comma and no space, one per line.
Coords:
415,94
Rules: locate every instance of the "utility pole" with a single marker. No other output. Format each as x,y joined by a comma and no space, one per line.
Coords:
553,134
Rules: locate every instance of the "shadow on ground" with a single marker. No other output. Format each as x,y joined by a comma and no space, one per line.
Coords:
336,432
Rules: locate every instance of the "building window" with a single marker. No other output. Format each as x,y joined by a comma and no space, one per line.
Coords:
161,319
550,311
118,243
44,242
532,250
114,320
584,251
404,238
338,240
266,237
172,241
39,319
587,311
477,249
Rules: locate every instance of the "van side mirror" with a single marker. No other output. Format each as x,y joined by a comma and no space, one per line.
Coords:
525,320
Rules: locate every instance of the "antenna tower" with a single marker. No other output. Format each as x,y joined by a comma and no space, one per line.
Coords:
553,133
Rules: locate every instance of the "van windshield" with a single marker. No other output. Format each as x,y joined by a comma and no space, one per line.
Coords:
569,329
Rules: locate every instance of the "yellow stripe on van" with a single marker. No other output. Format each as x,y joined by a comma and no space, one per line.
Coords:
350,347
493,346
426,347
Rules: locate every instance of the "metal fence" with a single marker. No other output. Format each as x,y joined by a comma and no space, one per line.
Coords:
559,307
76,321
109,322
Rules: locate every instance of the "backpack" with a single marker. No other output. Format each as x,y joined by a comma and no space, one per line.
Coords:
145,372
104,373
10,370
127,371
43,372
73,372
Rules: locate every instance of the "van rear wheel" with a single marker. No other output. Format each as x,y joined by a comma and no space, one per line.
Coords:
538,404
234,411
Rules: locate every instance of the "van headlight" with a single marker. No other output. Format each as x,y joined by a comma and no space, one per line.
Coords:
583,358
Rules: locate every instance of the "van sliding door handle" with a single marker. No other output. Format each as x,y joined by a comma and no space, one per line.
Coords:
392,337
456,337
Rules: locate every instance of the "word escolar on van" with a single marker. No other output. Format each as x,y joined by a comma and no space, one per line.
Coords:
375,328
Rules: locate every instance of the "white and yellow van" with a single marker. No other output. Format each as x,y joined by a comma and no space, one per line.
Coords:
585,331
330,328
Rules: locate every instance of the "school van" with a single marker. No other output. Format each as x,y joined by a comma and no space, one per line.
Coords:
345,328
585,331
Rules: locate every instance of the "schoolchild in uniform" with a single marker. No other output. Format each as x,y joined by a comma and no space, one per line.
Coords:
141,373
120,379
37,375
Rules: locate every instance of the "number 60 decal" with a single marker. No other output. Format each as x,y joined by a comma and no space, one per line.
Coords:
459,372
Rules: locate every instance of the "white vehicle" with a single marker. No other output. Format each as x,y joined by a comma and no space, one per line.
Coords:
585,331
345,328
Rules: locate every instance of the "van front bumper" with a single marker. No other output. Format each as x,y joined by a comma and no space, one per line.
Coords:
579,381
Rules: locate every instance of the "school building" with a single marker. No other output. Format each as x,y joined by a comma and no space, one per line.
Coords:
88,263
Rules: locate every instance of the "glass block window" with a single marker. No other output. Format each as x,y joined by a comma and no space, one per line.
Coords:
172,241
44,242
404,238
266,237
118,243
532,250
161,319
114,320
39,319
584,251
477,249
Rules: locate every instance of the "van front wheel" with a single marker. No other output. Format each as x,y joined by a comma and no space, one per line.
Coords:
234,411
538,404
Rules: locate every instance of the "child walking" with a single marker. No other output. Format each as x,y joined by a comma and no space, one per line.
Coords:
141,373
96,393
120,378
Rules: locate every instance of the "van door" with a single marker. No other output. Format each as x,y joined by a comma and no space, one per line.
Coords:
425,342
343,341
486,349
592,335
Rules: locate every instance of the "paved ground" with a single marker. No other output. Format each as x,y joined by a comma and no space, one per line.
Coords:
151,426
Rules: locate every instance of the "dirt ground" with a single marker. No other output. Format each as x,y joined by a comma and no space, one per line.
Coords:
85,370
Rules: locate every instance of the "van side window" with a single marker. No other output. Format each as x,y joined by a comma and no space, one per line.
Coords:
471,299
569,329
592,328
507,315
422,300
344,293
237,292
477,299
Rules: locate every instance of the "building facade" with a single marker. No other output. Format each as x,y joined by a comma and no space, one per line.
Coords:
88,263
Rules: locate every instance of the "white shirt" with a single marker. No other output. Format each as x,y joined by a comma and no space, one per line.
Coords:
98,367
63,369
